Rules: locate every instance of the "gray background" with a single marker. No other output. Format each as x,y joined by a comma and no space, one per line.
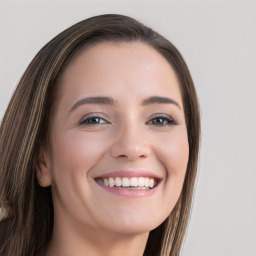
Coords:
217,39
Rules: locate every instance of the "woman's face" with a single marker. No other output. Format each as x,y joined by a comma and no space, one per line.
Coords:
119,140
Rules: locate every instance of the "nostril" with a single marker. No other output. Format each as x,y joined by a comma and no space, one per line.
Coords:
129,150
131,157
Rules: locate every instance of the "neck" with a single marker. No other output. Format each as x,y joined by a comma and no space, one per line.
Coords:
68,240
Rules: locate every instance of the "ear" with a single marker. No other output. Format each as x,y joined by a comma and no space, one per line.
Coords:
43,170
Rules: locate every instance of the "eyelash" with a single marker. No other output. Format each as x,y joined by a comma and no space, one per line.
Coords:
86,120
168,121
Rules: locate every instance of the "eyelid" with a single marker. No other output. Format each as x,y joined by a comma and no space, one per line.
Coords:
171,120
92,115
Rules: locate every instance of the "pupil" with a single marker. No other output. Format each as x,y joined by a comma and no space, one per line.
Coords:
158,121
94,120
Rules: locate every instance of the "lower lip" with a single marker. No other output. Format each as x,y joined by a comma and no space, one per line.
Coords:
129,192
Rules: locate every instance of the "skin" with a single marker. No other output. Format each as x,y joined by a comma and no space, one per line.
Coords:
125,136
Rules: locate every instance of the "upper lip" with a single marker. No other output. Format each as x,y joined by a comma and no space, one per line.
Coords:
129,174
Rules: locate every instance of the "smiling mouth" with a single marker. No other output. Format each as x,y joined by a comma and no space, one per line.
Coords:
139,183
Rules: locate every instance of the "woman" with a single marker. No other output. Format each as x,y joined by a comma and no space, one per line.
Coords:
99,145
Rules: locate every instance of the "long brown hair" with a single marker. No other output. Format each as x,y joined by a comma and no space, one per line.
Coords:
25,126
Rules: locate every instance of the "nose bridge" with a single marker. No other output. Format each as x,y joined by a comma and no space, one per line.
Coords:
130,141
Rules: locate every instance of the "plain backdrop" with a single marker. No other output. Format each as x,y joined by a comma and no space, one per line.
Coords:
218,40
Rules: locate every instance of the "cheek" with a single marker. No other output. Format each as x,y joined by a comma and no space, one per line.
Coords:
174,154
179,154
75,154
77,151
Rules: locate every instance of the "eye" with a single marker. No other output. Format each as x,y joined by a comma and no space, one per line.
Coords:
162,120
93,120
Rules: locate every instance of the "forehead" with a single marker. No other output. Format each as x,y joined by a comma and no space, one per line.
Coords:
112,67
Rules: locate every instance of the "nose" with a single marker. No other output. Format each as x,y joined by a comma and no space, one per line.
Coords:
131,144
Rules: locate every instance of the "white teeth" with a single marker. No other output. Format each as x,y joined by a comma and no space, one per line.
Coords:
111,182
134,182
141,181
118,182
106,182
125,182
151,183
146,182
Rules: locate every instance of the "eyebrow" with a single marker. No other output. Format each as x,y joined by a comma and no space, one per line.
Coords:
95,100
111,102
160,100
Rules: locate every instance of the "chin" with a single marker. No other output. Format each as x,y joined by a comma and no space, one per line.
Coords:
137,223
